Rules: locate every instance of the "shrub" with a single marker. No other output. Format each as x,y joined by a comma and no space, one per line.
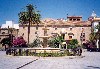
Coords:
6,41
45,54
54,42
71,46
19,42
36,43
73,42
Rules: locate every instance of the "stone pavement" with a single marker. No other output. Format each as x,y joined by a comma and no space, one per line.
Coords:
90,61
13,62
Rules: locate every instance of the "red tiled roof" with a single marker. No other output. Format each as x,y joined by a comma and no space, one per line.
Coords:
62,22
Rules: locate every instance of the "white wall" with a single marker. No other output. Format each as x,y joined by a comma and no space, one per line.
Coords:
94,24
10,24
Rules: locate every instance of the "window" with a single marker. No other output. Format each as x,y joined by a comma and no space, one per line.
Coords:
78,19
23,34
70,28
83,36
74,19
55,28
70,37
3,32
83,39
70,19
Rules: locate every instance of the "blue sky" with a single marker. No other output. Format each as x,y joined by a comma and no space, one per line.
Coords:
9,9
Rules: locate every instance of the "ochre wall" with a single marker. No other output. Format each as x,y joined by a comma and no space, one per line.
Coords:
75,30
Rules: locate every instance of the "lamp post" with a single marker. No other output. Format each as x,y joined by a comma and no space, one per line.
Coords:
82,36
81,39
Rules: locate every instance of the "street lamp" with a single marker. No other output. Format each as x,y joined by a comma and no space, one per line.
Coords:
82,36
81,39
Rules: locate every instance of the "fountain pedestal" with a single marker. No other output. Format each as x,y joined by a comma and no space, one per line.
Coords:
45,37
45,42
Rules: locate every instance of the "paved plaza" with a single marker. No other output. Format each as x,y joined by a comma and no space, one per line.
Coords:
90,60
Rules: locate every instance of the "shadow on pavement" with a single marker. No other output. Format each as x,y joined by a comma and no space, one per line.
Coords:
94,67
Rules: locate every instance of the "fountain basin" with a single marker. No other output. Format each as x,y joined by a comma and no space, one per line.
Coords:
47,50
44,37
45,40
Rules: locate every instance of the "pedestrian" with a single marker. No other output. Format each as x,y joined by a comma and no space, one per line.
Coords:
79,50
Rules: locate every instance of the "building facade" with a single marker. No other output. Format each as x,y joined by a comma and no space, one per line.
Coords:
8,28
4,32
72,28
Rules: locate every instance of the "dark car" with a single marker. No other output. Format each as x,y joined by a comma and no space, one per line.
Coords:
90,46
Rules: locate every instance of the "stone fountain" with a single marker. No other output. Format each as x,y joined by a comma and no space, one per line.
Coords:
45,37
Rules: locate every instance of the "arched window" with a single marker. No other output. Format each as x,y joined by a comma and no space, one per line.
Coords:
3,32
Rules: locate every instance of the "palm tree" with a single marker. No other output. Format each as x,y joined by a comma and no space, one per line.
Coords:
29,17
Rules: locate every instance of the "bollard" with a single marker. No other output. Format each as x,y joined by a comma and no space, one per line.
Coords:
14,52
6,51
20,52
9,51
27,52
